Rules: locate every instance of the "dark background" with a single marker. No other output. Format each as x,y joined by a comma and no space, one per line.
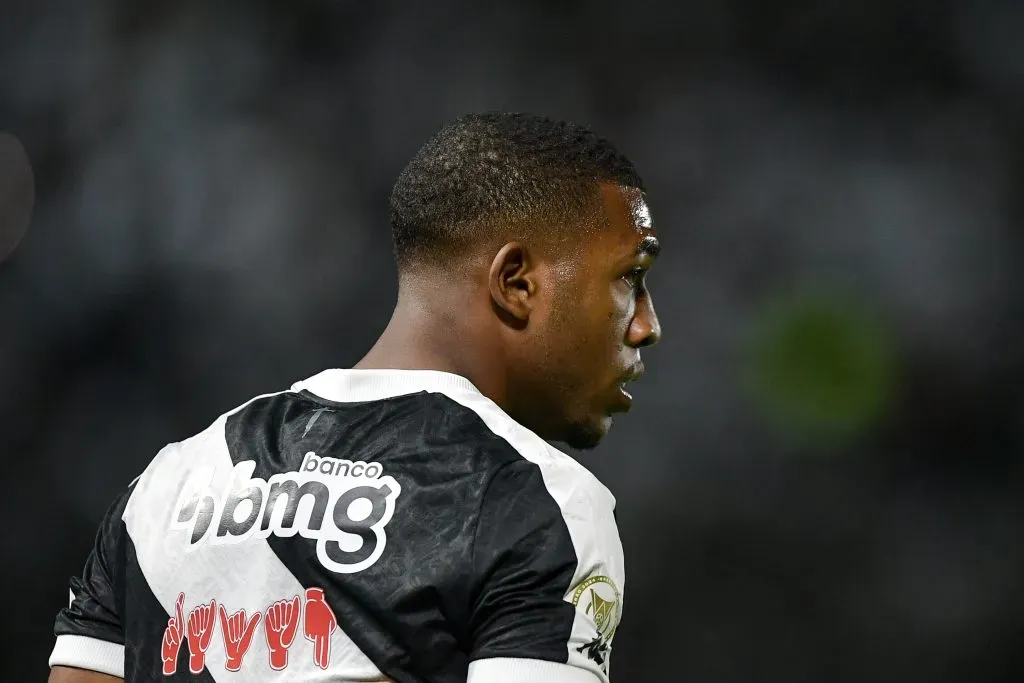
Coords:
822,477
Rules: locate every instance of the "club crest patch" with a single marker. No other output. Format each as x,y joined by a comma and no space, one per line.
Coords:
599,599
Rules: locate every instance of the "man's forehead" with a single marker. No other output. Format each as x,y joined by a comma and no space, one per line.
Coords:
629,218
628,206
638,210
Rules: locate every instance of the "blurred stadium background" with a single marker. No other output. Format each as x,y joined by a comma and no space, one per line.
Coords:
822,478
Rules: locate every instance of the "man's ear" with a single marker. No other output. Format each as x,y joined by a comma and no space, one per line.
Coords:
513,281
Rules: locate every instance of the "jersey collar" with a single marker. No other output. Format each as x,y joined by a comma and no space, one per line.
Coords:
352,386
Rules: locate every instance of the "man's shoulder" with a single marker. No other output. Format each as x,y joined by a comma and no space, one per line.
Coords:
450,431
518,444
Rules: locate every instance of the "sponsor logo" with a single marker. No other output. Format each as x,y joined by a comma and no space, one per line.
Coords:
281,621
342,505
599,599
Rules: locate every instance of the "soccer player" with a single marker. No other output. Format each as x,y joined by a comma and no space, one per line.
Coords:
406,519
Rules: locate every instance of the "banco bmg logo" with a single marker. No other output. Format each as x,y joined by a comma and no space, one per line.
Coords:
342,505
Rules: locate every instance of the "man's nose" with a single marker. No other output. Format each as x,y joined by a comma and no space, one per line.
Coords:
645,329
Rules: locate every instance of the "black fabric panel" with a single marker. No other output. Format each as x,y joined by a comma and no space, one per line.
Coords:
525,561
113,602
96,609
410,612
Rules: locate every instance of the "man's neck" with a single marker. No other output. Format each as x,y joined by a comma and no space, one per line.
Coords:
443,336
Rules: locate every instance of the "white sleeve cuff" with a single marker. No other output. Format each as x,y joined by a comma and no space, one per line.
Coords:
92,654
515,670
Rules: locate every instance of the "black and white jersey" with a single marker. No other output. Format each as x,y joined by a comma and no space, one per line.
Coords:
366,525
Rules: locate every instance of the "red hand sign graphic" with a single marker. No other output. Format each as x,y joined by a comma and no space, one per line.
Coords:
319,624
237,633
280,625
172,638
200,630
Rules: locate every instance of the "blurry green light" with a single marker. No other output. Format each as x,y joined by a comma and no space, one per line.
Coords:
821,365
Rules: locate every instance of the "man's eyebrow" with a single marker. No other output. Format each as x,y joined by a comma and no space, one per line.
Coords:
649,246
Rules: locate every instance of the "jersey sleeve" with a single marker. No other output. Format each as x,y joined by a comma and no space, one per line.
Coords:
531,555
89,630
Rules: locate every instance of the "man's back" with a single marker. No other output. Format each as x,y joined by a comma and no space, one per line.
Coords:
411,525
365,525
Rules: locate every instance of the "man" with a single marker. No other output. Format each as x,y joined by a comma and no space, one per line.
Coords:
406,520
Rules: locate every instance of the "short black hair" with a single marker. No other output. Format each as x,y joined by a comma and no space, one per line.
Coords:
493,171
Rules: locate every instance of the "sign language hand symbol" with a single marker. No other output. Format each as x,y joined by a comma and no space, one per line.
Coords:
280,624
237,632
201,622
320,623
173,635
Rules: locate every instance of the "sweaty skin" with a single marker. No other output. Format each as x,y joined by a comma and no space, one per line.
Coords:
547,332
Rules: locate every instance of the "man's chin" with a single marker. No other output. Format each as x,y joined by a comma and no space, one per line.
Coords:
585,436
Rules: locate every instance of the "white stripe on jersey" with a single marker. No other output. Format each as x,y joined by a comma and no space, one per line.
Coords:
248,575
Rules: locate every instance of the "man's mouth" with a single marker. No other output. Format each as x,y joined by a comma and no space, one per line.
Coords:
634,374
